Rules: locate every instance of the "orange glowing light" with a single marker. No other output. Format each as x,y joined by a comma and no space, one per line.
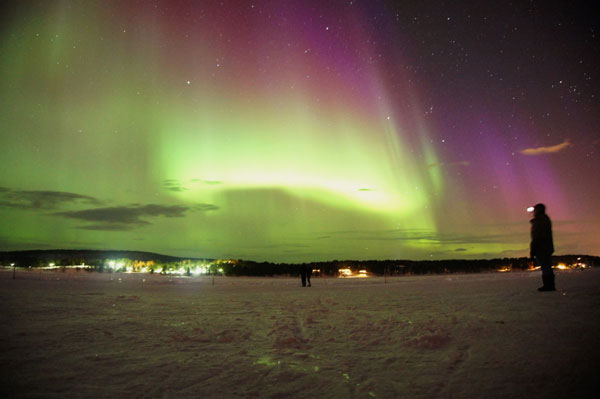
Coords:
345,272
348,273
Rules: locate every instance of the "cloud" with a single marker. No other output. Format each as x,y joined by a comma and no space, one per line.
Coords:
547,150
124,218
126,214
177,185
173,185
177,189
207,181
205,207
39,199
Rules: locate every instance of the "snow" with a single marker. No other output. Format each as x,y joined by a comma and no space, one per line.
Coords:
79,334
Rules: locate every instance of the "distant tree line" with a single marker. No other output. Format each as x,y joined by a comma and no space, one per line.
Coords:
120,261
397,267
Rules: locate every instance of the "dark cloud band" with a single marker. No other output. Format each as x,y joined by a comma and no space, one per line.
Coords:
39,199
123,218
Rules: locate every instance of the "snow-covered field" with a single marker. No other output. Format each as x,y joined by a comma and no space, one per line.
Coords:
77,334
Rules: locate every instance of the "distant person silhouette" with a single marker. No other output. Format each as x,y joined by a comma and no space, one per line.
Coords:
305,272
542,247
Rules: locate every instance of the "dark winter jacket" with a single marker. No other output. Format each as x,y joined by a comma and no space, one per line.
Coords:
541,236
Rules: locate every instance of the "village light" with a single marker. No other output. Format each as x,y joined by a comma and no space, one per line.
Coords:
345,272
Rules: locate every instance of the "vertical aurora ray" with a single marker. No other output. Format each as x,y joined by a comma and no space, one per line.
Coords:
284,130
326,137
302,138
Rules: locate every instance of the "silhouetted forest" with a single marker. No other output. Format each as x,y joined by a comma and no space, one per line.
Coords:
98,260
399,267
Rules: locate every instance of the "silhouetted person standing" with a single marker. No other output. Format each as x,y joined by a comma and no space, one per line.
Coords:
542,246
305,272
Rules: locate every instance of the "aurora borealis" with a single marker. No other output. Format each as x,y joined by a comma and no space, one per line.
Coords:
298,130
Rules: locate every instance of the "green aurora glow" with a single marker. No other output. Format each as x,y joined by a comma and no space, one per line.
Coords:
282,160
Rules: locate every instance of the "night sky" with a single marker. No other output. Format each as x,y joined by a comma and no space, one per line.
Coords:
299,130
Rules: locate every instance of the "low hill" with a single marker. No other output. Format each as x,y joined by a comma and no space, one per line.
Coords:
79,256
